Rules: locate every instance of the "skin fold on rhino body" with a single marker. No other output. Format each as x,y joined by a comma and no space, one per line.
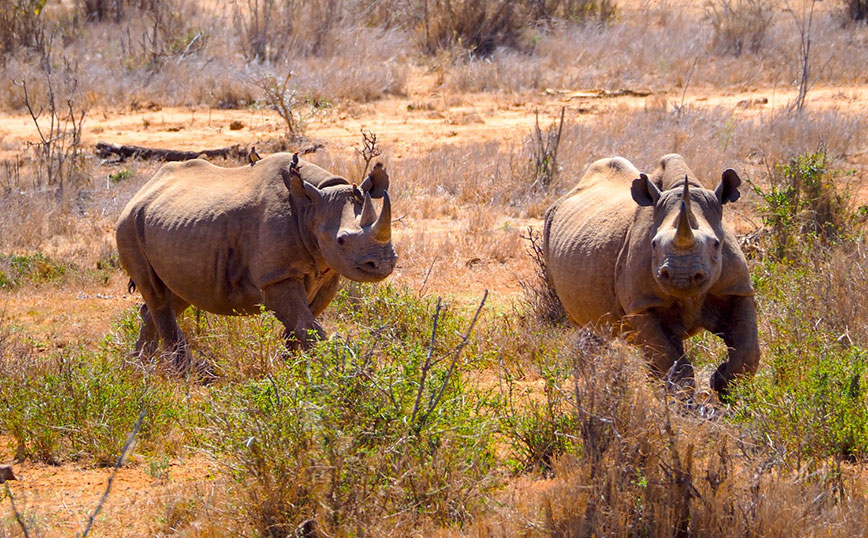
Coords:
227,240
651,259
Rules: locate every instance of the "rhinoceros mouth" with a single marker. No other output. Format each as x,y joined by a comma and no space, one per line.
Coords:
683,280
375,269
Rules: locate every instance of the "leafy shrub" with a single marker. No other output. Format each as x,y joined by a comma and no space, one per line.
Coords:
739,25
16,269
803,206
380,426
539,427
80,407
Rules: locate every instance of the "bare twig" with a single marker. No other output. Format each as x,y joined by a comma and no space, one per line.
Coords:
436,400
136,427
680,108
15,511
421,291
368,150
544,151
427,365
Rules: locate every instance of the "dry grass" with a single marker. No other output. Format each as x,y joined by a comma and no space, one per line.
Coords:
181,53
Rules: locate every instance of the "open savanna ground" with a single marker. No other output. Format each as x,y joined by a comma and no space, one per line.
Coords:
452,398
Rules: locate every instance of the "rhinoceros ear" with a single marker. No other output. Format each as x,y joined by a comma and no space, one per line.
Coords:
644,191
727,191
377,181
299,188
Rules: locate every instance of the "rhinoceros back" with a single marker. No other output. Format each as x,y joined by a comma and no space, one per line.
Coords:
583,237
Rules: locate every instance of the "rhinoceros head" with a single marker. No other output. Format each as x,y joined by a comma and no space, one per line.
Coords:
687,235
352,238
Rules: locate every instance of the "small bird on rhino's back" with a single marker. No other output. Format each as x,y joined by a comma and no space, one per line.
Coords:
252,157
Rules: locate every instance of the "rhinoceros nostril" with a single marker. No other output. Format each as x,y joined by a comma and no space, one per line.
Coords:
664,274
371,264
699,276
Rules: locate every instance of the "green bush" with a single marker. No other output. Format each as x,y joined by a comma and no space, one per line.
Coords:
82,405
81,408
809,400
804,206
16,269
375,425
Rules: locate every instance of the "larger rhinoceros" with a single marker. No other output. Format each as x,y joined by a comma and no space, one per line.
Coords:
649,257
279,233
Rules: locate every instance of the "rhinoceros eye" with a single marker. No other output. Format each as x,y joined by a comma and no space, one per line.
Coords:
341,240
716,243
653,243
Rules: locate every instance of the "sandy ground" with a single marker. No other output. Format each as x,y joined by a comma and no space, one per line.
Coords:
60,498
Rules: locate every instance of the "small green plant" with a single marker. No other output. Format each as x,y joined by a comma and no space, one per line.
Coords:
120,175
540,427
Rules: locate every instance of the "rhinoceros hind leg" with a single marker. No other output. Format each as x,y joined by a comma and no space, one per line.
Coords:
159,320
146,345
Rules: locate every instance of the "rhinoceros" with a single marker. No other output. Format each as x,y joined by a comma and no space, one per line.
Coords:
650,258
280,233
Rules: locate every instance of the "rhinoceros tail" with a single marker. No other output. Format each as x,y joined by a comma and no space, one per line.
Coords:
131,287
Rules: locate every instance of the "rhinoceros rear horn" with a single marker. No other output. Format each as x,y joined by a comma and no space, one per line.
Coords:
369,214
382,229
727,191
377,181
684,233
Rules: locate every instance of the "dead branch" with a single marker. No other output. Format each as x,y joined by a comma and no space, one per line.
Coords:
15,511
368,150
427,365
124,451
106,150
436,399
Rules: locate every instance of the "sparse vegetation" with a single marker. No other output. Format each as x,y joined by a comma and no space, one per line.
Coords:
393,427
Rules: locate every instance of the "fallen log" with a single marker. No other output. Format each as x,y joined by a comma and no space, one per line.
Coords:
124,152
106,150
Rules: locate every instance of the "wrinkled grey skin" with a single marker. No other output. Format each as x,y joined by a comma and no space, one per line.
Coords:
279,233
650,258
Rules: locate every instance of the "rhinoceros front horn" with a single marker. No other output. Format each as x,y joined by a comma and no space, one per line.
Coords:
382,230
369,214
684,233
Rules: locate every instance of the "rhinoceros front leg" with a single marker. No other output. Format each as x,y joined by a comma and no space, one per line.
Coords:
288,300
737,325
664,349
325,295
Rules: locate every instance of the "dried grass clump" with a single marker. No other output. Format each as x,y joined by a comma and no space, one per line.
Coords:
739,25
539,292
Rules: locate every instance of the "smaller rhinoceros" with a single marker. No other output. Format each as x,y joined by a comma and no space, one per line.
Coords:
227,240
650,258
